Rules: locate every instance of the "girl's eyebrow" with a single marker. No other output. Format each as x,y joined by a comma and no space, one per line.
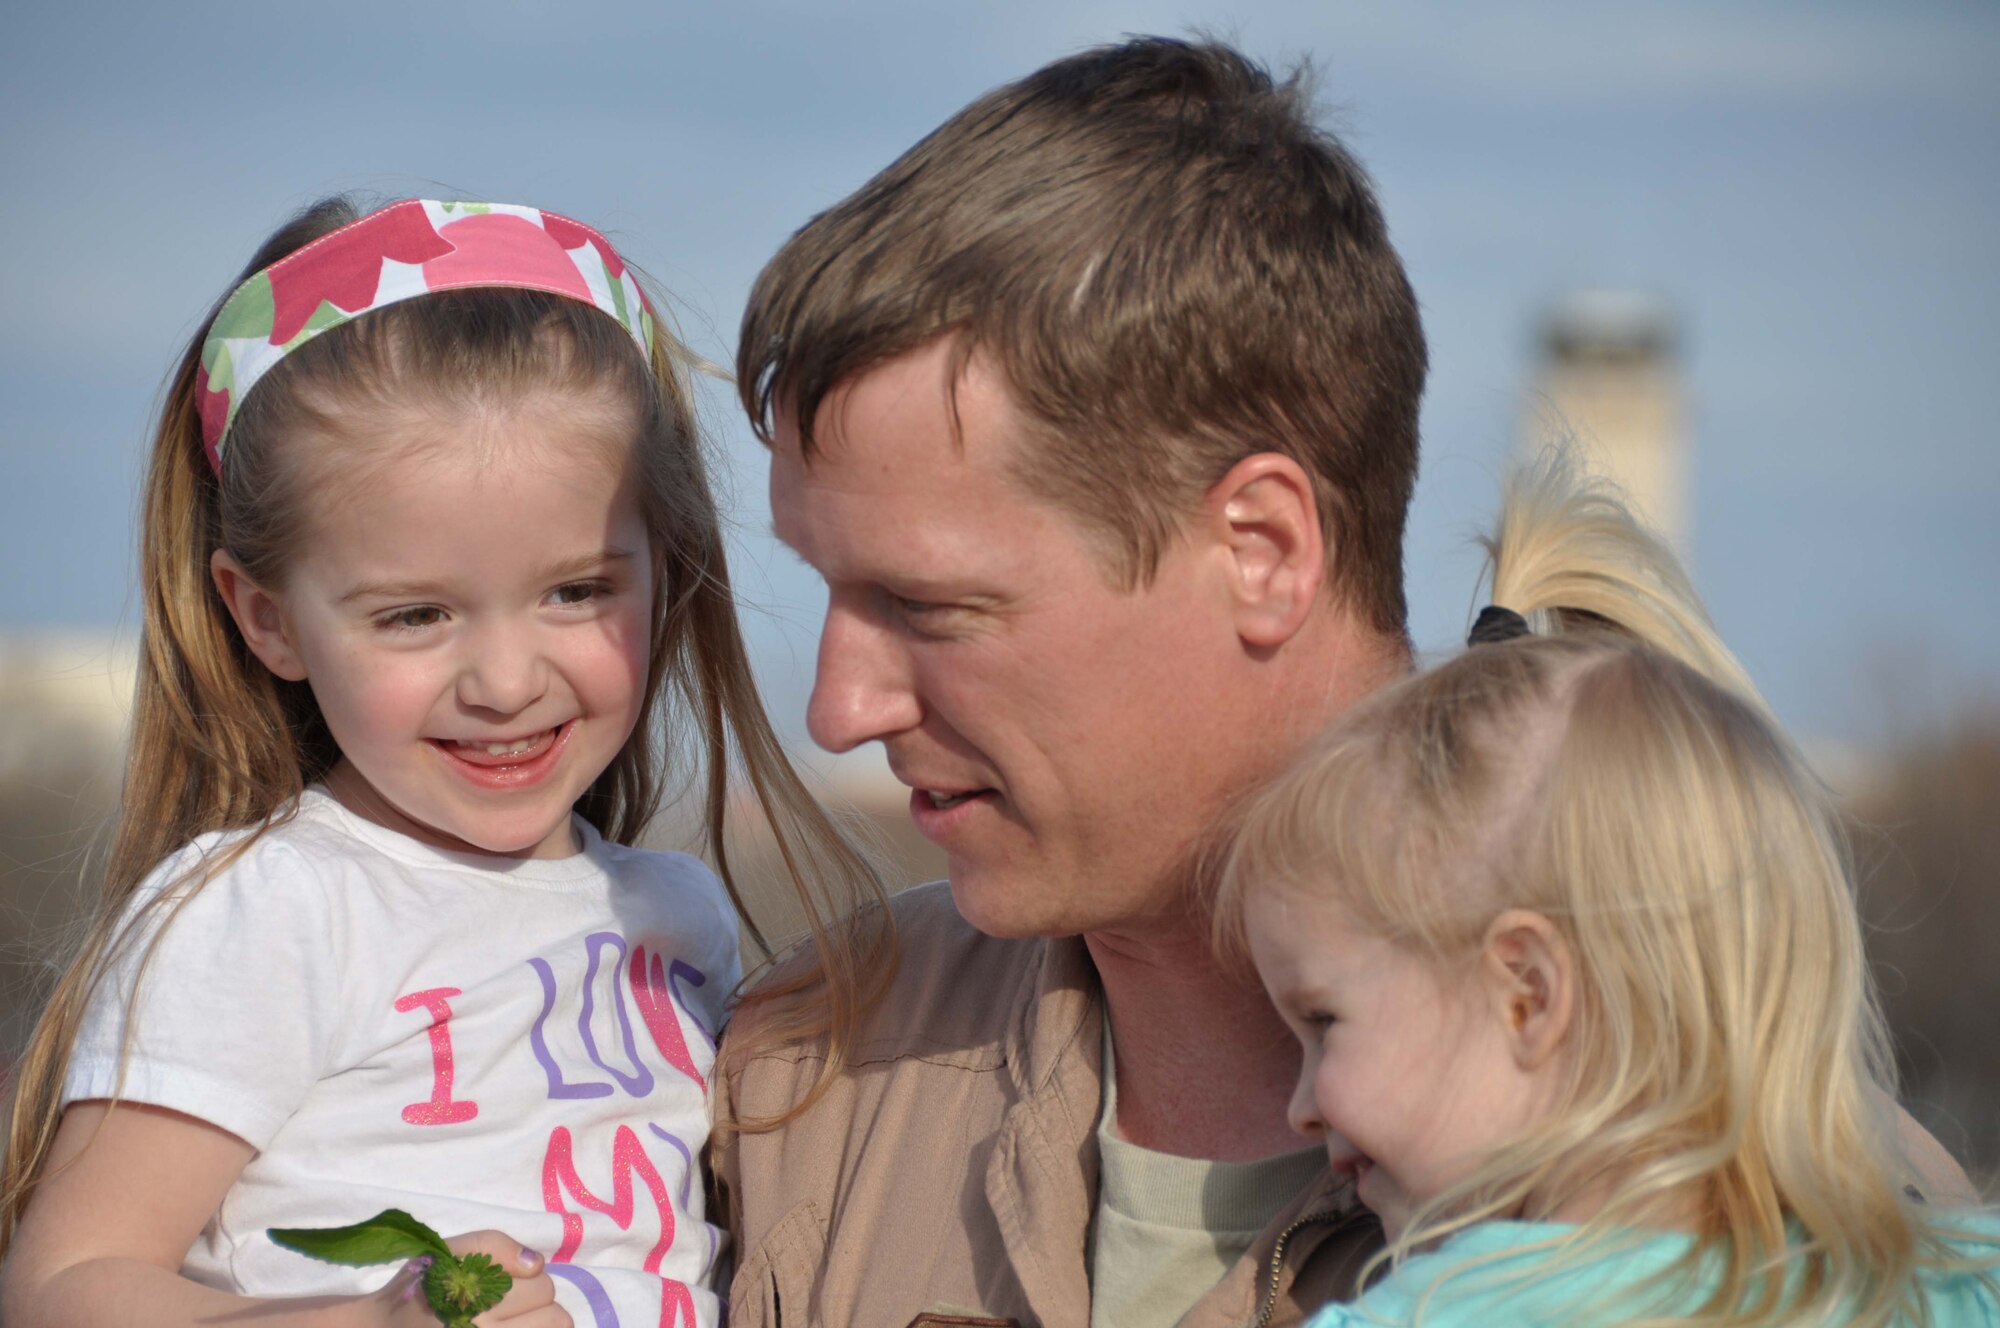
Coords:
585,562
555,571
1300,994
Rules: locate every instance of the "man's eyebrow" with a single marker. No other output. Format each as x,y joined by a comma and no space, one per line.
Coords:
561,570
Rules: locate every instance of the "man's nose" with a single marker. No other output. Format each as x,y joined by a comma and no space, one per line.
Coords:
862,689
505,670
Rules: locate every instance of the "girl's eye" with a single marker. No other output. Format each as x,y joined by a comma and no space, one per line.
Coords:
413,619
577,592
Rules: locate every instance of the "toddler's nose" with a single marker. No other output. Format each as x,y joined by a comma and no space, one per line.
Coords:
1303,1112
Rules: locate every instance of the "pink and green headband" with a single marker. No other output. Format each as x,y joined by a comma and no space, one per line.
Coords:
405,250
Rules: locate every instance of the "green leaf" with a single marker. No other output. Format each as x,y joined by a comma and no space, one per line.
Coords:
390,1236
465,1287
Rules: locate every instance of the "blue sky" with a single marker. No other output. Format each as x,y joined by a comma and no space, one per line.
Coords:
1816,188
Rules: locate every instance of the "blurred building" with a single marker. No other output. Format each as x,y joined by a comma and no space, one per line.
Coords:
1609,375
64,700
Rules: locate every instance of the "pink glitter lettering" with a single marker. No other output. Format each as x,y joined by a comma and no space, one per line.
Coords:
628,1158
656,1007
676,1304
442,1109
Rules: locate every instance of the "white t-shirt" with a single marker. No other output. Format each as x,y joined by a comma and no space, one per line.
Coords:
523,1046
1169,1228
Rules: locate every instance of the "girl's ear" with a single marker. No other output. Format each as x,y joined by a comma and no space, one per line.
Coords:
1530,977
259,616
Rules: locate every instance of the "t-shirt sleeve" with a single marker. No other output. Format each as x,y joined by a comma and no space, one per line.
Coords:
237,1005
728,957
711,934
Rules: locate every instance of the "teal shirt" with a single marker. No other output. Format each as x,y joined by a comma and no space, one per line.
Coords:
1531,1300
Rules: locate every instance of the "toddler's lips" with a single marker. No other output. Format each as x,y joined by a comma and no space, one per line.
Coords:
1352,1165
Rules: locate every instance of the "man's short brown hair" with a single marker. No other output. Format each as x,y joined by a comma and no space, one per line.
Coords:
1173,267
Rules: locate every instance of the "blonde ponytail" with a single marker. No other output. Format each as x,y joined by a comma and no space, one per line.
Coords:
1568,555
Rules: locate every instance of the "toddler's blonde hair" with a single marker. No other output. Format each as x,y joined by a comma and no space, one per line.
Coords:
1616,772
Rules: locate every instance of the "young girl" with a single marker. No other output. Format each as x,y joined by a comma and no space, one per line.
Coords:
1565,929
435,608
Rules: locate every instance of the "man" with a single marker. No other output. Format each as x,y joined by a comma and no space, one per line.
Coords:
1097,413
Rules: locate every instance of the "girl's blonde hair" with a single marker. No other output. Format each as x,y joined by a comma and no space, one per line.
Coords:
1615,772
218,743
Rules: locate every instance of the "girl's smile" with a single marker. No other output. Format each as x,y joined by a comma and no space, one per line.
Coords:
506,763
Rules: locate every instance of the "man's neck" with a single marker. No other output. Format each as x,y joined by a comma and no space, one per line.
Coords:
1205,1066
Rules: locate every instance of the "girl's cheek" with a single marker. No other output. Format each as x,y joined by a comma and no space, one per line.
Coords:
1326,1086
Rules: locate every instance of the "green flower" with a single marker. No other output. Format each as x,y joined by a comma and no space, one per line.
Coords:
458,1289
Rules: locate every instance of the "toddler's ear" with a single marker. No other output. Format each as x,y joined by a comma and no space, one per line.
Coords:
1530,976
259,617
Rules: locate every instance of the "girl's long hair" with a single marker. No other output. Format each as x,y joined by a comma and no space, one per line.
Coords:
1728,1066
218,744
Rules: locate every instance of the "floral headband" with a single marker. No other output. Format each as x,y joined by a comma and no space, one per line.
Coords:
405,250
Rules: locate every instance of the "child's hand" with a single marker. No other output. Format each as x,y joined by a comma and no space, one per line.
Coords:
529,1303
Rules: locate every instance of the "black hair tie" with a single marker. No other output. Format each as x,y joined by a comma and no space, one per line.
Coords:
1496,624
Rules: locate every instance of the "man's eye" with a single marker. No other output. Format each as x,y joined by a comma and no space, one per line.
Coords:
923,617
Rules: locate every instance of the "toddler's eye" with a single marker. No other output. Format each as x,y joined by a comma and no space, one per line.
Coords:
413,619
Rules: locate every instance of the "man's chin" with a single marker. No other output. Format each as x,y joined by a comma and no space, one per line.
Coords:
1005,905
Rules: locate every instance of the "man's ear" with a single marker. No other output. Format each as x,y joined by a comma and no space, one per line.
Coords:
1529,974
259,617
1262,514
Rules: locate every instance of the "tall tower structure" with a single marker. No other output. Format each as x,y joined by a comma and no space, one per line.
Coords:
1610,374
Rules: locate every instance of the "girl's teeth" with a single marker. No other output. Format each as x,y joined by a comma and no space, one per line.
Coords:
502,748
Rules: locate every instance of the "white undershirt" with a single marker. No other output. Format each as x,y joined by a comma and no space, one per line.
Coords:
1168,1228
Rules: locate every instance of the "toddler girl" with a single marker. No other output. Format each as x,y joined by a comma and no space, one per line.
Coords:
1566,931
435,610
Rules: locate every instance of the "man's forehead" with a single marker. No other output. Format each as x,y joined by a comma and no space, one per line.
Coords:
918,464
940,394
863,510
